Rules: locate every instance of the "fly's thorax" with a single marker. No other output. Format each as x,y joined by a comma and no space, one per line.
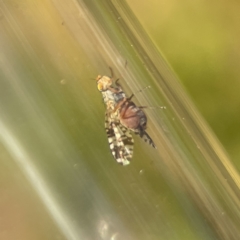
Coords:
115,97
108,96
119,96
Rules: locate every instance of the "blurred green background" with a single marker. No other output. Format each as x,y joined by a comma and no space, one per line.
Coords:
200,40
58,178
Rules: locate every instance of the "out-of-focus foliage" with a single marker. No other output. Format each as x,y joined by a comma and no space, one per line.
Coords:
53,139
200,39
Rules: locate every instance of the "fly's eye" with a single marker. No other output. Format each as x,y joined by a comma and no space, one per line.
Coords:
100,87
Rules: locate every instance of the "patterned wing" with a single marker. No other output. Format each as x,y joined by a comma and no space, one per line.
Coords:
120,140
146,138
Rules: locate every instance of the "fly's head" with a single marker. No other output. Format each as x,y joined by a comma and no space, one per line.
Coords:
103,83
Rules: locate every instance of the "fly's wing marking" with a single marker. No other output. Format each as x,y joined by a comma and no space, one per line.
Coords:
146,138
124,142
120,140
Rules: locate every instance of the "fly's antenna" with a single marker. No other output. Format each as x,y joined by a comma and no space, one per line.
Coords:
111,71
